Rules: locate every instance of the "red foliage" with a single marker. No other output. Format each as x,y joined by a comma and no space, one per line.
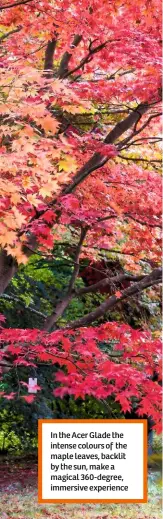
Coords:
87,370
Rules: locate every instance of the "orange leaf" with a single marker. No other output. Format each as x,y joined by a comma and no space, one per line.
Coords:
118,294
49,124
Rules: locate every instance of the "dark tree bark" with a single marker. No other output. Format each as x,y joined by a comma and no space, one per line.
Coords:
8,268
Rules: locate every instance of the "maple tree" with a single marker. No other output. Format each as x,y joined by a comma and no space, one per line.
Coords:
70,71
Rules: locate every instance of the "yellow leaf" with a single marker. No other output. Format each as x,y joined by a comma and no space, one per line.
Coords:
68,164
48,189
157,333
26,183
78,108
73,109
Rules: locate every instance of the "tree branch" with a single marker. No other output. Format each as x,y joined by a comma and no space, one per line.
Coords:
8,6
2,38
143,223
98,160
127,123
17,300
88,57
104,283
148,281
62,305
49,55
139,142
63,67
140,160
136,132
77,257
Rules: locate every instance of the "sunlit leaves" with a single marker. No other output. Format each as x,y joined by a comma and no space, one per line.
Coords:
67,164
86,370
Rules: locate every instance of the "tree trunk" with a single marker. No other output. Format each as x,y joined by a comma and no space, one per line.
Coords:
8,268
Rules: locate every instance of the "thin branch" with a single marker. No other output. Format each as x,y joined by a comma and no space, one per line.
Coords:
8,6
17,300
62,305
146,123
140,160
77,257
143,223
106,282
88,57
109,217
65,262
8,364
139,142
2,38
152,279
30,53
136,132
